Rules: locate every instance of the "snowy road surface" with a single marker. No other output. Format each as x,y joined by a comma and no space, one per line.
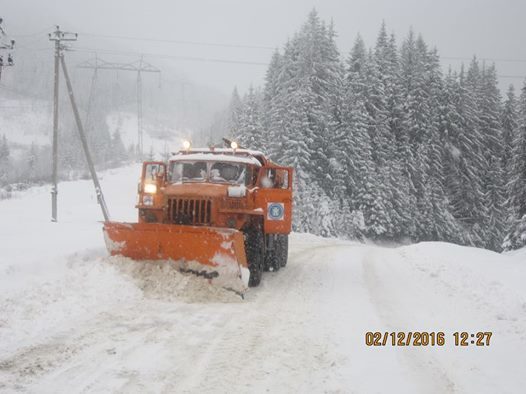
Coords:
73,320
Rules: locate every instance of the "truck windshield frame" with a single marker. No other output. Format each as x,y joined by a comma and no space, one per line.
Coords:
217,172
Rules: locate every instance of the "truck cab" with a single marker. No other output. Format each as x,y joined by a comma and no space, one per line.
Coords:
223,188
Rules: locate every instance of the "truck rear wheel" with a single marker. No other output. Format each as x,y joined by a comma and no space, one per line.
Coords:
272,253
283,250
255,249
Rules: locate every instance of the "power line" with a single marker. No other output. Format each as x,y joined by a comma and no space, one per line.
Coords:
245,62
105,51
201,43
170,41
512,76
37,33
163,56
500,60
246,46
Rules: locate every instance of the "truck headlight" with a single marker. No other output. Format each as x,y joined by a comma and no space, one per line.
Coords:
150,188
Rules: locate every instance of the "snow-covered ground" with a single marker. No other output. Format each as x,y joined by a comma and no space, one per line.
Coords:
74,320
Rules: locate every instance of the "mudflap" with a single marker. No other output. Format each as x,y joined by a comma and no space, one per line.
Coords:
216,254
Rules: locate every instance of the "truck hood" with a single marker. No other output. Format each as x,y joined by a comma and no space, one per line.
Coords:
211,190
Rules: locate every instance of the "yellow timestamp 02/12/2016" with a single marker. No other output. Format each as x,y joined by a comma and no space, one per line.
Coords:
427,338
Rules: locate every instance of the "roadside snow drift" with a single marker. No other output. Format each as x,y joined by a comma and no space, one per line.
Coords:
74,320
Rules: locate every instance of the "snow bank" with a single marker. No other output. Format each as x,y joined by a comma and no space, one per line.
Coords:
162,281
56,303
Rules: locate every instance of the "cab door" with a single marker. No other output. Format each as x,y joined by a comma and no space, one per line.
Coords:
274,196
150,197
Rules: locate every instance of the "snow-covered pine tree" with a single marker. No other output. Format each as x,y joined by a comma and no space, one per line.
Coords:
334,108
403,201
319,74
304,111
516,237
382,142
394,146
270,114
451,122
416,121
509,127
234,113
119,153
356,147
4,161
250,130
493,174
443,224
466,145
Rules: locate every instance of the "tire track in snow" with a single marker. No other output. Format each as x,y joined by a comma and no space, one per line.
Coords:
428,373
239,357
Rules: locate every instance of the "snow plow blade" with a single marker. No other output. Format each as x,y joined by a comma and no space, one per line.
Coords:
216,254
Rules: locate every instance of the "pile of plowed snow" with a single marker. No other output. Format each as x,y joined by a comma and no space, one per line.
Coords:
162,281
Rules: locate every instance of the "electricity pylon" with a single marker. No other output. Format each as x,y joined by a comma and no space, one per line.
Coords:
5,44
140,66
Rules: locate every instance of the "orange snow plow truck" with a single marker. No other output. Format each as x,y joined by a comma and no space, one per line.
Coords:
220,213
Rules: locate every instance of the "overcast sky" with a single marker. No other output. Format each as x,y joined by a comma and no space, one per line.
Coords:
458,28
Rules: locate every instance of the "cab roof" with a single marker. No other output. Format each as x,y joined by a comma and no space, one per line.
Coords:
222,157
247,156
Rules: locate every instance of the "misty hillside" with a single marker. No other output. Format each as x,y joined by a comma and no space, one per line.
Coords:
172,107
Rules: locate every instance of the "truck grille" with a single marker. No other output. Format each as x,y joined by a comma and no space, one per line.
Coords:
189,211
234,203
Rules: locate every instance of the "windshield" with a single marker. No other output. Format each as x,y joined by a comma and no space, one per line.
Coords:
213,172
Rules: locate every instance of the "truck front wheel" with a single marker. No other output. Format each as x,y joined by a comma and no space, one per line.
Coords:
255,249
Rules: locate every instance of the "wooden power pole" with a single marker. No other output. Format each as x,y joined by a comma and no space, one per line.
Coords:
58,37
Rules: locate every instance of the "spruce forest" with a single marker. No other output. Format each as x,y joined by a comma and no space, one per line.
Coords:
386,144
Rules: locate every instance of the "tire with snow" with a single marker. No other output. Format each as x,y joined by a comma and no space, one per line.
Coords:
272,262
283,250
275,262
255,249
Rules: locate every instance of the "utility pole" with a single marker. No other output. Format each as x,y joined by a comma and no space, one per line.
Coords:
139,113
5,44
83,139
139,67
58,37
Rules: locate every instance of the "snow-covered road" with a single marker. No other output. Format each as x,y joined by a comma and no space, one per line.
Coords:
74,320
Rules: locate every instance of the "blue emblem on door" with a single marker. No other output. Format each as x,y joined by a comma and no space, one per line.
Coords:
275,211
